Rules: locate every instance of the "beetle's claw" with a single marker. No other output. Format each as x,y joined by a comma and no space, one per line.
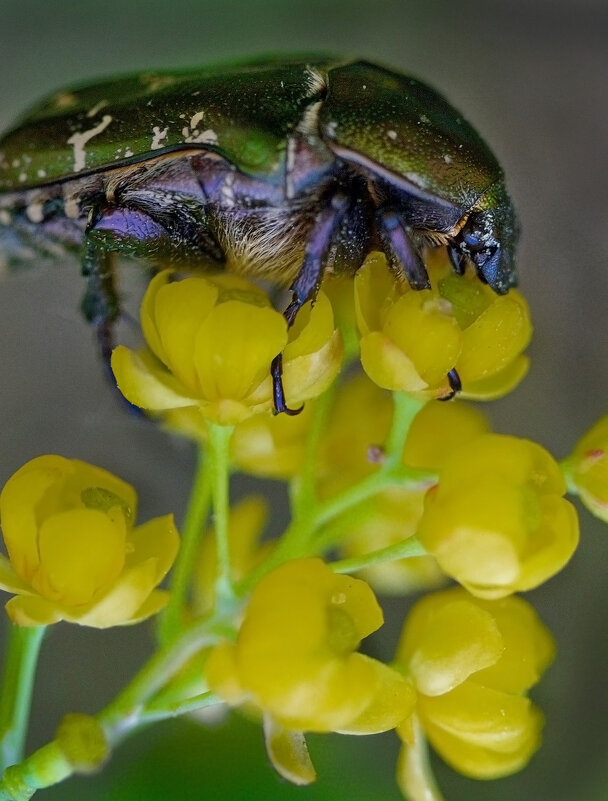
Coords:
278,393
455,385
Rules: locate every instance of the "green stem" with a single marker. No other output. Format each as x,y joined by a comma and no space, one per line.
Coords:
401,550
17,686
298,537
405,408
196,515
123,713
219,458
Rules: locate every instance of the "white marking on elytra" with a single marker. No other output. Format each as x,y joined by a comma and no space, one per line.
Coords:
34,211
128,152
447,159
5,217
79,140
97,108
22,177
208,137
15,162
41,173
392,135
157,139
195,119
423,118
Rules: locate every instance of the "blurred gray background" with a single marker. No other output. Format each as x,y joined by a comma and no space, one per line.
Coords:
531,75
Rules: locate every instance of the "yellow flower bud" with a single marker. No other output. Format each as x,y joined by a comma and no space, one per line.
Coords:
74,553
295,657
211,342
496,522
472,661
410,340
587,469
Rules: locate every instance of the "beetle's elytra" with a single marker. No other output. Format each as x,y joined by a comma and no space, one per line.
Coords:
289,169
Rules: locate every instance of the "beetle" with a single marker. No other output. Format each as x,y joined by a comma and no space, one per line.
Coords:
281,169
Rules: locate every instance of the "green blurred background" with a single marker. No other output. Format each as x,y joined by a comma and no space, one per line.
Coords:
531,75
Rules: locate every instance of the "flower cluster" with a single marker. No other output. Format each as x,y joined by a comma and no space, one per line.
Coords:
74,551
296,657
411,340
472,663
202,356
401,491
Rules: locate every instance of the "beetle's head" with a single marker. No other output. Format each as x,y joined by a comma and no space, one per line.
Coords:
488,239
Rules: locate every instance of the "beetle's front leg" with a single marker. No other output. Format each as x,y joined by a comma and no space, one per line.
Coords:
307,283
403,256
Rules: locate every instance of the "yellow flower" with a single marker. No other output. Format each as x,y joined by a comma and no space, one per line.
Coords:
211,342
496,522
587,469
472,662
295,657
74,553
411,340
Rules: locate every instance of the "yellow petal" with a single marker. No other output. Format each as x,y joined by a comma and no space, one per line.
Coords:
498,335
157,539
498,384
123,600
553,544
308,376
180,307
145,385
392,701
313,326
33,610
388,366
460,639
481,732
288,753
81,552
529,647
375,288
421,324
235,345
10,581
147,314
20,497
153,604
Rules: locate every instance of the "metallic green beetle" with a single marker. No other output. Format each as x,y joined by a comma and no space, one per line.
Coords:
287,169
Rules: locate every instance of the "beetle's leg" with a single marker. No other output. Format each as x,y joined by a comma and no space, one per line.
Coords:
455,385
307,283
100,304
402,253
458,259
